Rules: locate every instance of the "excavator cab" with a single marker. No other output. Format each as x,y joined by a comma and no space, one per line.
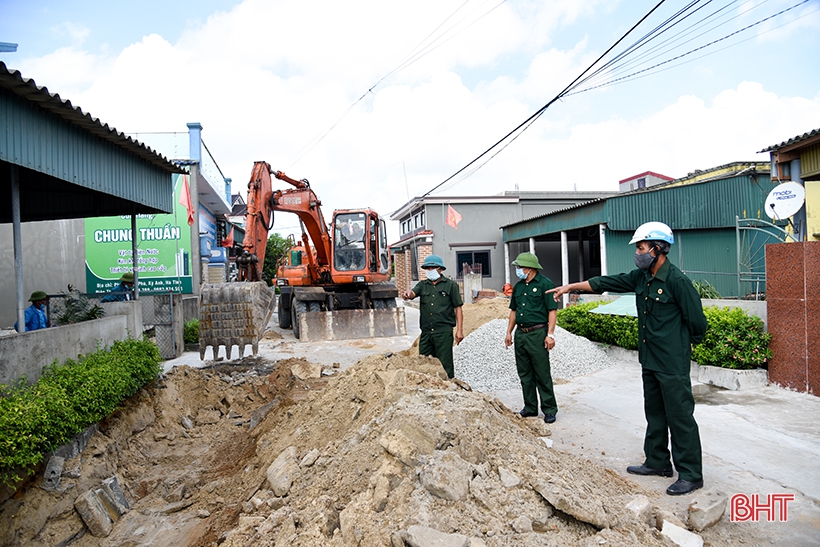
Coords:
359,247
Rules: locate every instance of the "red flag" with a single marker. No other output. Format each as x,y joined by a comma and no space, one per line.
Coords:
453,218
228,240
185,200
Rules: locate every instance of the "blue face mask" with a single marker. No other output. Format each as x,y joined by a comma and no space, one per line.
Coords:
521,273
432,275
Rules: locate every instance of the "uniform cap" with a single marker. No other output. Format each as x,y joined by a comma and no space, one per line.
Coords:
127,277
527,260
38,295
433,261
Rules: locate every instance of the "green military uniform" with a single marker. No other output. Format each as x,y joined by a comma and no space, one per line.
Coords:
437,317
670,320
532,305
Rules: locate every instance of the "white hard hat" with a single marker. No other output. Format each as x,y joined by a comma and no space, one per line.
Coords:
653,231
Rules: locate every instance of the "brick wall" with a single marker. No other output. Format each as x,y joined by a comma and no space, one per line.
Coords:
403,267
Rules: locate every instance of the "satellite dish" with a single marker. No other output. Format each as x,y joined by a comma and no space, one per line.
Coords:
785,200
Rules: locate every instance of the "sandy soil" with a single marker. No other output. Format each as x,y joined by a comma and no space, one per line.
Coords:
247,453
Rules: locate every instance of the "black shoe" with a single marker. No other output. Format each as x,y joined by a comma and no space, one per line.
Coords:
549,418
682,486
525,414
644,470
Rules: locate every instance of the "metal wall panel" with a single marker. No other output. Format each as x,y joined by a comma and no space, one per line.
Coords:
705,205
810,162
38,140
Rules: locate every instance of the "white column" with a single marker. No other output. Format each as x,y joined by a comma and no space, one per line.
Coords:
532,245
602,236
506,263
564,265
580,255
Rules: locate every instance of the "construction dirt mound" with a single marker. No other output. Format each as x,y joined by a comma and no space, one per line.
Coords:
474,316
386,453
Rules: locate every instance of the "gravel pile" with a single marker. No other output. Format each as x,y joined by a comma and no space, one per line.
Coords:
482,361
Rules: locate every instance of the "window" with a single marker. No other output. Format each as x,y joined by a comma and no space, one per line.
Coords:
475,261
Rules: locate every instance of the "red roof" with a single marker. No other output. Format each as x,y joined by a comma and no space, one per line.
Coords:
645,173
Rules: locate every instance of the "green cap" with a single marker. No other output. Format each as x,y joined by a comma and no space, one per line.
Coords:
37,296
527,260
127,277
433,261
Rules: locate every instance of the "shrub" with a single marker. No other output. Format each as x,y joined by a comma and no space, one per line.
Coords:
733,340
67,398
77,308
705,289
616,330
190,332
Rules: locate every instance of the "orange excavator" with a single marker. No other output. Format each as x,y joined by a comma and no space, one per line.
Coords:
334,283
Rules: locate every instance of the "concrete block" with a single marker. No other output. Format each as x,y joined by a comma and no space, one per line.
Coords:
681,536
54,470
641,508
422,536
77,443
94,515
732,379
112,496
707,508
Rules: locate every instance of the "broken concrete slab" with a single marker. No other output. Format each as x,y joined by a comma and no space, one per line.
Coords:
707,508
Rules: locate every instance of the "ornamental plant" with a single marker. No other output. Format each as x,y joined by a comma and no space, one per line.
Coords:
734,339
36,419
190,331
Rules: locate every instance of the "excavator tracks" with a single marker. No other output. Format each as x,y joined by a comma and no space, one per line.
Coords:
233,314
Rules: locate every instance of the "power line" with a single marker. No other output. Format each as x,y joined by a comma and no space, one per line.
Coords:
541,110
619,65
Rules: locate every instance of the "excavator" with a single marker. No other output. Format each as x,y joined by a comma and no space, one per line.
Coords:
334,283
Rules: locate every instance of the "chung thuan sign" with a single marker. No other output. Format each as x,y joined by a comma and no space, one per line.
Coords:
163,250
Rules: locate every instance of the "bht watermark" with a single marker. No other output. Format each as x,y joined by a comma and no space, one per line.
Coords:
772,508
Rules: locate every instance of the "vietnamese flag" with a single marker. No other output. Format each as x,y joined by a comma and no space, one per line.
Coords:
453,218
185,200
228,241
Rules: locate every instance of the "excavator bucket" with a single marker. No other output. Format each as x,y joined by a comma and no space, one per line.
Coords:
233,314
347,324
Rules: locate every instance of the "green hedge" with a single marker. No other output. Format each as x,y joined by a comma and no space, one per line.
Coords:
39,418
614,330
190,331
733,338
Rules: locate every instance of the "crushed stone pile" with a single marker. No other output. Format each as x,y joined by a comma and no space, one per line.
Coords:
487,365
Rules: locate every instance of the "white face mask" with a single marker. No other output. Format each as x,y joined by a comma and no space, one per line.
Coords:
432,275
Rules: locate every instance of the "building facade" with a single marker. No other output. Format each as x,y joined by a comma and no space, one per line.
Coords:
465,232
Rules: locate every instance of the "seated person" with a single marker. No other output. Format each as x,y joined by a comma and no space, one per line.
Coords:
35,315
123,291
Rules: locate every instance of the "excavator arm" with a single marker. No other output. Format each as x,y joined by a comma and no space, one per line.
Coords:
262,202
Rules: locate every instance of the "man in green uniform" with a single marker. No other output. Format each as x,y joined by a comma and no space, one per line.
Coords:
533,311
439,312
670,320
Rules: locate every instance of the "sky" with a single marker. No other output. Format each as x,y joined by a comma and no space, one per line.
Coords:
376,102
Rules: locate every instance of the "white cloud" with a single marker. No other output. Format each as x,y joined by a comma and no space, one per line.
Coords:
268,77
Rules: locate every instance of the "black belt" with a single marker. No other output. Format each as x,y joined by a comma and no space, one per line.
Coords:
532,328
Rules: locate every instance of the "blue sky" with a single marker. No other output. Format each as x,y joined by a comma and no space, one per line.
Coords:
266,78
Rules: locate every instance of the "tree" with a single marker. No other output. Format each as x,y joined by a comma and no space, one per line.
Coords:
276,248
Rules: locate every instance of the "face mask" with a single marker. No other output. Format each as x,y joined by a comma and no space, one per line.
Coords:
521,273
432,275
645,261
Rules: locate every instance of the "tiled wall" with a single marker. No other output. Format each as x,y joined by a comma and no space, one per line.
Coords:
793,302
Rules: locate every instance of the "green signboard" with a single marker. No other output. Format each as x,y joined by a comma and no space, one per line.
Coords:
163,249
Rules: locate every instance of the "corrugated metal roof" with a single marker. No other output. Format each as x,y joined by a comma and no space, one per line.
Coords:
791,141
721,172
12,80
